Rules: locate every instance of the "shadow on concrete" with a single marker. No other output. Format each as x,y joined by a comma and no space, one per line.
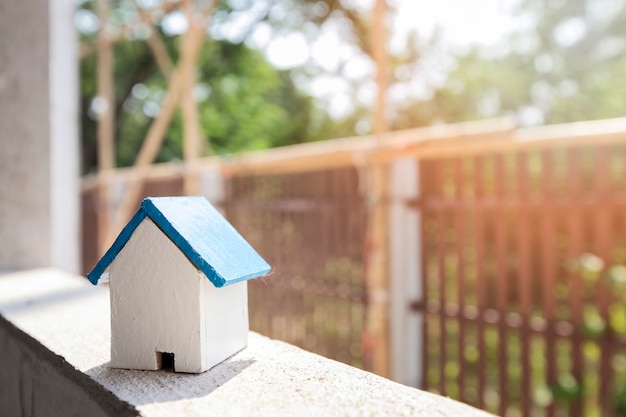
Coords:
148,387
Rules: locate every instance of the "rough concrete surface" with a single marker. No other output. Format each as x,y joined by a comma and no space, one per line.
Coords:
70,319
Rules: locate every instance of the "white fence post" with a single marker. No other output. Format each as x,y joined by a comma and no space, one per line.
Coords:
405,273
211,185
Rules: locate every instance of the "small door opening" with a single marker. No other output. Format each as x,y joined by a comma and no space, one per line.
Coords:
165,361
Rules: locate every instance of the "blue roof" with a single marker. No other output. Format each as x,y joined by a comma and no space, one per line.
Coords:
209,241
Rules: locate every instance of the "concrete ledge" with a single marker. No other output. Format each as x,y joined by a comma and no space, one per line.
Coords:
54,339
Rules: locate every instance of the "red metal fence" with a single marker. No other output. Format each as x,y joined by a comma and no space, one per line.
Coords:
310,228
519,318
515,323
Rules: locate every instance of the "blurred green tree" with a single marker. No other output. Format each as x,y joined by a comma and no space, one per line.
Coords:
565,65
245,103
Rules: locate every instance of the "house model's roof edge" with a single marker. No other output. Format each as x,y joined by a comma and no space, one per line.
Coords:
148,209
116,247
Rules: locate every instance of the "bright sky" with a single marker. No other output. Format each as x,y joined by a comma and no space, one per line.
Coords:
460,23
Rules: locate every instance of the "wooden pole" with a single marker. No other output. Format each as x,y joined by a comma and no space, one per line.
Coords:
192,133
377,268
488,137
156,133
156,44
462,139
105,92
377,334
105,125
380,57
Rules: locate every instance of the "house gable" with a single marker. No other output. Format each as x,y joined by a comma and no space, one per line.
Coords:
151,311
201,233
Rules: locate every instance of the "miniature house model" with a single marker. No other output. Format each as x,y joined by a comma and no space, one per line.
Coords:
178,278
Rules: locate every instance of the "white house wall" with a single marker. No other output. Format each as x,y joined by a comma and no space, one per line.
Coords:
225,321
155,303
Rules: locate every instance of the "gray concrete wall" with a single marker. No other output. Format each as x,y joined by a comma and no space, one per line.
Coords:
35,382
55,344
38,135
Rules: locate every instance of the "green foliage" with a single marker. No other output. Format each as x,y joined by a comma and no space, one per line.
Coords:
475,89
566,388
249,105
594,325
617,275
620,401
566,65
542,396
617,318
244,103
589,266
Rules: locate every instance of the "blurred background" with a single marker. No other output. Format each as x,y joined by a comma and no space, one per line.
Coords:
453,242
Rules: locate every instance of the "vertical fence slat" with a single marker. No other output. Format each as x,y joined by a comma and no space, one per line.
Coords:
424,179
441,278
602,236
524,281
501,283
376,275
548,269
481,298
576,284
328,231
460,273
